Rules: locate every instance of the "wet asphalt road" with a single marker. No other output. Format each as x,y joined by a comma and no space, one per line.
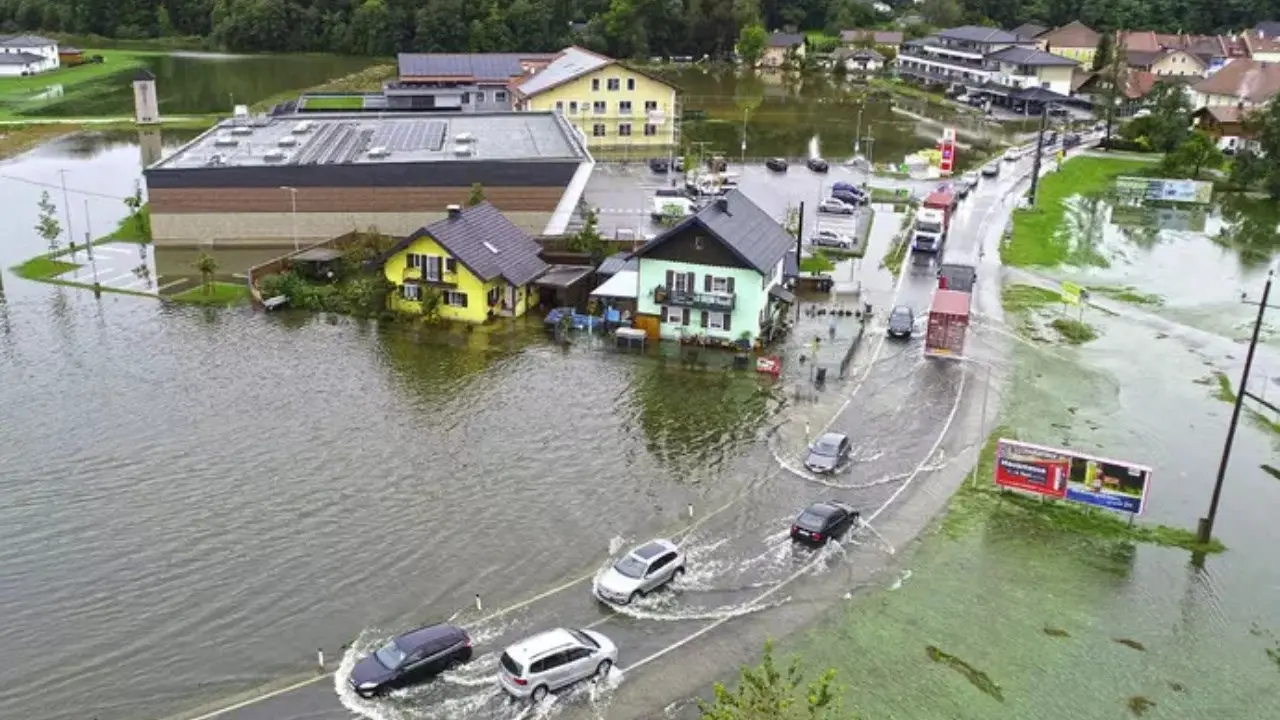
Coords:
741,563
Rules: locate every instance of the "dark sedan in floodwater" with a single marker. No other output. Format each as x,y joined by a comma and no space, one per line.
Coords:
415,656
823,521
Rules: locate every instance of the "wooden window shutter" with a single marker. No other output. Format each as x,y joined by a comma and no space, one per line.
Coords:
663,310
686,316
464,299
727,316
706,283
692,279
729,284
671,279
704,318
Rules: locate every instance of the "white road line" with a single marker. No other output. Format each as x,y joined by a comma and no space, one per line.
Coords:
955,407
255,700
108,249
117,278
168,285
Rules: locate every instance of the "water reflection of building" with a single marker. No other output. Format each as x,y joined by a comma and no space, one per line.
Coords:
1160,218
152,146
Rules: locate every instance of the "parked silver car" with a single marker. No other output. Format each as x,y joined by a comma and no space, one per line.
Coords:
831,239
554,659
836,206
640,572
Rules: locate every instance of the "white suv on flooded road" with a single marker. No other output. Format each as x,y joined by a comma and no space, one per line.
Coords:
554,659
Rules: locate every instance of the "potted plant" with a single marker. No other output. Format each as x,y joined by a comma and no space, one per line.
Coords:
660,294
744,340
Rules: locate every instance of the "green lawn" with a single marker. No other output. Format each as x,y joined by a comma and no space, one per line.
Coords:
131,229
896,196
1035,240
114,61
218,293
43,268
816,263
334,102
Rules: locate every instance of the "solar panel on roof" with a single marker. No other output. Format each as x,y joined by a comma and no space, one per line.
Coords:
435,135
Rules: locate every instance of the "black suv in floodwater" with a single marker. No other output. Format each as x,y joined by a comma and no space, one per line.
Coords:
415,656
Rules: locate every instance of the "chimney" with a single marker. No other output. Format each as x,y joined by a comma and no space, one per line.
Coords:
455,211
722,204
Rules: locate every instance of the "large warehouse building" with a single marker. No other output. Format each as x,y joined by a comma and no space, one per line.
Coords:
274,181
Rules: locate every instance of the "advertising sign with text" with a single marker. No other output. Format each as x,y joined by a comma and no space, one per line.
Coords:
1110,484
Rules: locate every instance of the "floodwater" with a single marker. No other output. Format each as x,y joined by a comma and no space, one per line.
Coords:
197,499
190,84
1051,618
1194,262
783,114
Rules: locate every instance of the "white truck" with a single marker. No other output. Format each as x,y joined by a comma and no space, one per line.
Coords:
930,230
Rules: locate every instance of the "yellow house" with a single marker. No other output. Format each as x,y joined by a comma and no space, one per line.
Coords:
1075,41
611,104
473,265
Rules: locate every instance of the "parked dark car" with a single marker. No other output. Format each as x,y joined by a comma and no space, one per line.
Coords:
822,521
1070,141
659,165
828,452
818,165
415,656
902,321
847,187
852,198
776,164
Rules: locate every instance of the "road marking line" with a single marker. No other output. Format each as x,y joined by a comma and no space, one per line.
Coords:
117,278
254,701
168,285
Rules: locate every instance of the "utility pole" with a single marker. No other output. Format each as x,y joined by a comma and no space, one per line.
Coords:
871,143
88,243
1204,529
66,208
1035,168
857,135
745,113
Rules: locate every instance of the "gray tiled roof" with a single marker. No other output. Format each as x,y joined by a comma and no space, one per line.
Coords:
473,237
25,41
1033,57
573,62
1029,31
743,227
616,263
785,40
481,66
976,34
19,58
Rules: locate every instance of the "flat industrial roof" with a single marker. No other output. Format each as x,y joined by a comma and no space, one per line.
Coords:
348,138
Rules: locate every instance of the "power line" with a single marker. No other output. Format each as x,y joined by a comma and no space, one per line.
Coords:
55,186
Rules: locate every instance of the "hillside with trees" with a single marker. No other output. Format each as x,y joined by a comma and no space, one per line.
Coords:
622,28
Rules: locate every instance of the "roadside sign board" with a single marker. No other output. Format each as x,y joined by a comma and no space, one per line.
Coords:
1071,293
1067,475
1166,189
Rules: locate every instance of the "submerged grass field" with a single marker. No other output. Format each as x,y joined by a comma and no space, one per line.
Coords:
1037,238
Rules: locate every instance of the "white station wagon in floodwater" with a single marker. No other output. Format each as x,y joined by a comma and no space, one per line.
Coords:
640,572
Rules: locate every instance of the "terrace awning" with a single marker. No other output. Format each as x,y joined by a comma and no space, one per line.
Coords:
1040,95
624,285
563,276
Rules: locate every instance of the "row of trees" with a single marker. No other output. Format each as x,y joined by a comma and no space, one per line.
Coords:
622,28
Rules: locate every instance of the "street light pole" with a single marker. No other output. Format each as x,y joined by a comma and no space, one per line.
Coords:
857,136
745,113
293,214
66,208
1204,529
1035,169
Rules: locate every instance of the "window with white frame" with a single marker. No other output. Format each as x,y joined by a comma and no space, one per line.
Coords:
598,130
560,106
650,129
719,284
411,291
495,294
681,282
595,84
573,107
631,83
624,129
675,314
453,298
624,107
479,96
615,84
599,107
500,96
715,321
650,105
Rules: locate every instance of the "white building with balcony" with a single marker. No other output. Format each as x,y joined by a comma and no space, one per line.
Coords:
27,55
1023,68
958,54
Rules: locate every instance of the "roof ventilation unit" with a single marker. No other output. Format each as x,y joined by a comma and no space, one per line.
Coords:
273,156
225,141
242,130
379,152
287,141
465,138
462,150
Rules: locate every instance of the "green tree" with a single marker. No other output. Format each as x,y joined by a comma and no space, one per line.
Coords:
751,44
206,265
766,692
1113,78
1197,153
47,225
138,219
1170,120
1106,46
1264,126
588,239
477,195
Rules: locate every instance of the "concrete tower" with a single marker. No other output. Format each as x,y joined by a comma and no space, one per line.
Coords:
146,108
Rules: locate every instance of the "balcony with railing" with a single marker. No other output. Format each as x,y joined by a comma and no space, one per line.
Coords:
935,54
717,301
431,276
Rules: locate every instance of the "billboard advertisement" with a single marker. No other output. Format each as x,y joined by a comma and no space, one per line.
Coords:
1168,190
1068,475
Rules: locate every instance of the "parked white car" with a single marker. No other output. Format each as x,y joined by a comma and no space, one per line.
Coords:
836,207
1012,155
554,659
640,572
831,239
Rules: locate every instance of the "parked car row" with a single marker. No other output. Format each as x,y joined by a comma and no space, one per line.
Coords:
816,164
